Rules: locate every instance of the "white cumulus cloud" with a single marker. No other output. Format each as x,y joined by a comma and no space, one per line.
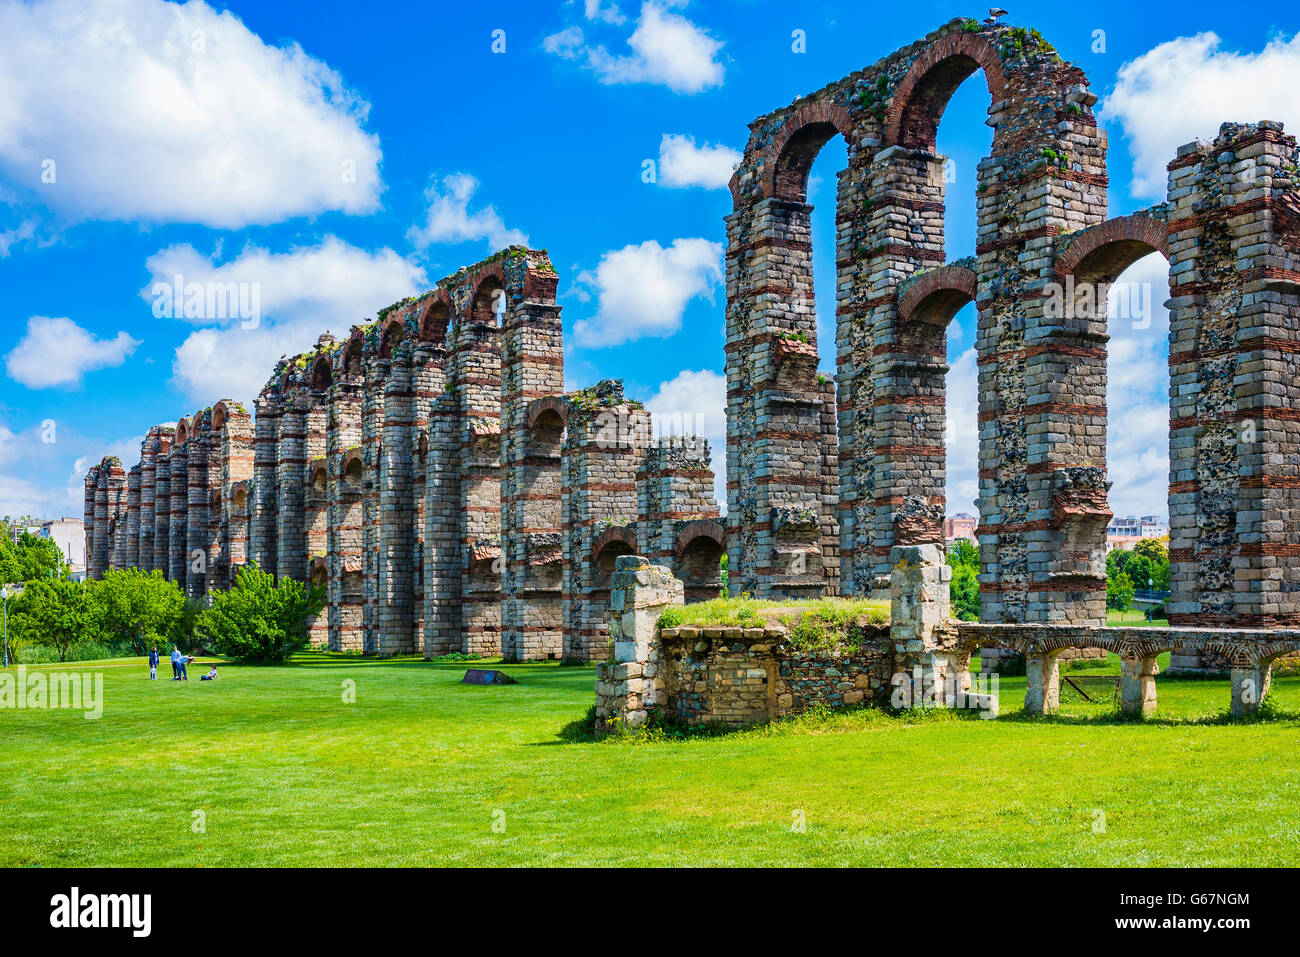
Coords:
1182,90
667,49
301,293
683,164
55,351
643,289
165,112
449,219
694,402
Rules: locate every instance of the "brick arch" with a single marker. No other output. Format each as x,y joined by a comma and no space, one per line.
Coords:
548,403
789,157
495,276
182,431
1100,253
388,339
349,457
322,374
936,72
938,294
615,533
701,528
353,353
436,318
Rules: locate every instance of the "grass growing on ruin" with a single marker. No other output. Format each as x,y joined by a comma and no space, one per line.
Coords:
419,769
753,613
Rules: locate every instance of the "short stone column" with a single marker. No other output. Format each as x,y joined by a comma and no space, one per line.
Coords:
921,630
1249,686
1042,682
1137,686
628,687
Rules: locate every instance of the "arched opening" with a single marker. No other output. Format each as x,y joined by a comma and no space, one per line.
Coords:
240,499
546,434
318,478
322,375
489,304
352,358
219,417
437,319
392,338
182,431
699,567
352,472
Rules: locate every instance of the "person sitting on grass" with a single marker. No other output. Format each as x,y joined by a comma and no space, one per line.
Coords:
210,676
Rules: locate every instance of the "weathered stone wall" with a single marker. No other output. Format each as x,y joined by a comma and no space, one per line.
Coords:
381,468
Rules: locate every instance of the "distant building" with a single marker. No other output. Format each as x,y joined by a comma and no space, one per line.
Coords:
70,536
958,526
1128,531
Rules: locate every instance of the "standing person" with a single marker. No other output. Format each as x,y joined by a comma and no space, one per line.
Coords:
153,664
176,663
182,662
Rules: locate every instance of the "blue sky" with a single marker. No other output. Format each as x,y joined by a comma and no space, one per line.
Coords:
338,157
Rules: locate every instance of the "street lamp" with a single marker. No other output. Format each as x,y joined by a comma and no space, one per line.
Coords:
4,598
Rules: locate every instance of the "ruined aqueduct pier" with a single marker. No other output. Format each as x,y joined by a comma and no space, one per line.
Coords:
432,472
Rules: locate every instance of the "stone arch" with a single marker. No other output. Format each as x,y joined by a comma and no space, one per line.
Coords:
485,306
700,528
319,475
182,431
938,295
556,404
803,133
219,416
391,337
922,95
1102,252
352,356
613,534
353,468
605,551
700,547
319,570
436,319
322,374
239,498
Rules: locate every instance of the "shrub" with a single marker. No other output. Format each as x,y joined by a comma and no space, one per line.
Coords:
259,619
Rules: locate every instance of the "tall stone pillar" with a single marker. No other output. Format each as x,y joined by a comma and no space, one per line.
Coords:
162,509
396,510
1234,442
263,527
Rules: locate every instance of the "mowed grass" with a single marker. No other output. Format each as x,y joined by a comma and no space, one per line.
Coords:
420,767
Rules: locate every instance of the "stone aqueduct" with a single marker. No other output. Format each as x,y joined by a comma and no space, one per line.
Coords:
401,464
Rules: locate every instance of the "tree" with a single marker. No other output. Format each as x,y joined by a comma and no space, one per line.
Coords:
30,558
54,613
1156,549
136,609
964,559
259,620
1119,592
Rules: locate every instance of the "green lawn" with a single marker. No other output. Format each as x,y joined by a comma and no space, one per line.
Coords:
419,768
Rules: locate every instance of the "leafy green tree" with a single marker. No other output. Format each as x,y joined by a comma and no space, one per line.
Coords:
30,558
964,559
259,620
136,609
1119,592
54,613
1156,549
1141,571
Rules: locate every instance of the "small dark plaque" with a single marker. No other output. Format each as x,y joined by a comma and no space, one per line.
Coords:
484,676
